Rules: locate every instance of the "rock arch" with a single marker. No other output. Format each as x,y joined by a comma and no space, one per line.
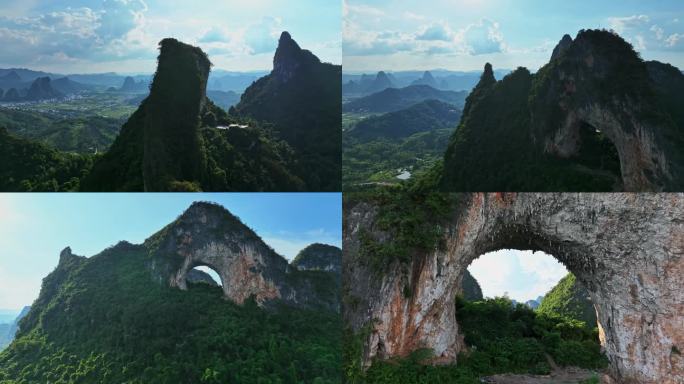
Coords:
625,248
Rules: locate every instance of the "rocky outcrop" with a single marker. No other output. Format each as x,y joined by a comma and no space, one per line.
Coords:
207,234
596,96
562,46
319,257
289,57
626,249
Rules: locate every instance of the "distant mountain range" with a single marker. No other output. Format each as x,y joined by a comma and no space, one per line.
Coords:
359,85
9,330
395,99
21,79
424,116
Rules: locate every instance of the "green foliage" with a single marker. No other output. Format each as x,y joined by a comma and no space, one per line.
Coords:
502,338
414,215
376,148
33,167
570,299
106,320
80,131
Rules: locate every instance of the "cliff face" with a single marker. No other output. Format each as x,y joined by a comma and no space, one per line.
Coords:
594,97
625,249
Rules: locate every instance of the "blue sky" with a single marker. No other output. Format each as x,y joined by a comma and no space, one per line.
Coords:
464,34
34,227
89,36
522,275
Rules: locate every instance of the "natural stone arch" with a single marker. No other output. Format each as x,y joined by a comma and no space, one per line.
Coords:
625,248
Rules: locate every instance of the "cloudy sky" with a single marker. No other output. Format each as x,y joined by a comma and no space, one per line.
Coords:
464,34
35,227
522,275
89,36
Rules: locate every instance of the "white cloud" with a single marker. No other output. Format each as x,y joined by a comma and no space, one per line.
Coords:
262,37
647,33
622,24
522,275
673,40
482,38
479,38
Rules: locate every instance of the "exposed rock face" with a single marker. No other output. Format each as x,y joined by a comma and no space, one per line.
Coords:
208,235
626,249
319,257
575,92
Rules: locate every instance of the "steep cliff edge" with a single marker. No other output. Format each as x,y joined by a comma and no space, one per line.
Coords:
624,248
596,118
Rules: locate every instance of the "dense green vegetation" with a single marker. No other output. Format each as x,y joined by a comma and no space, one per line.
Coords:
502,338
377,148
105,319
29,166
85,134
413,213
570,299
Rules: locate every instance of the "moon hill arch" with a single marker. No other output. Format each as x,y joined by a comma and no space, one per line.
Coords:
596,117
626,249
207,234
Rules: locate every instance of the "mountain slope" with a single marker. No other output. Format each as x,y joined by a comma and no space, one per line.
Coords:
393,99
173,140
319,257
570,299
301,97
425,116
116,317
28,166
595,118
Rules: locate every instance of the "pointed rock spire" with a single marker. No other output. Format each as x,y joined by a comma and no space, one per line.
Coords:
289,57
562,46
487,76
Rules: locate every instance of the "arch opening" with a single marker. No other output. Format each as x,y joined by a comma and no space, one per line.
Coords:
522,276
203,275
